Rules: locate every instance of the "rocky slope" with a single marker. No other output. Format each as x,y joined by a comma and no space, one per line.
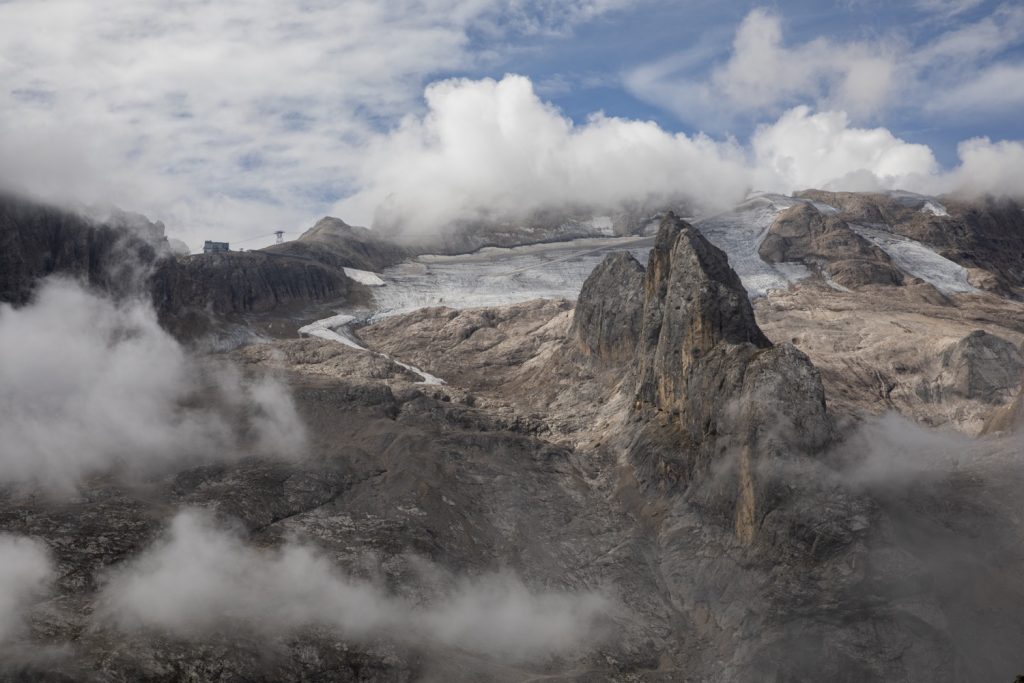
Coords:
826,242
984,235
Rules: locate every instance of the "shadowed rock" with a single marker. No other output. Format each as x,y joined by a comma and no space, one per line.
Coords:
37,240
606,322
337,244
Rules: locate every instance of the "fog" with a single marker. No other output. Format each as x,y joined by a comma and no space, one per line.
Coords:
25,573
88,383
202,578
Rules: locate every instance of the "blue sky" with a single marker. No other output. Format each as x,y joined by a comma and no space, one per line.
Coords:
590,63
226,119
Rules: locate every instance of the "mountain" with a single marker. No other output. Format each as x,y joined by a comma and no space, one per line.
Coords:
745,451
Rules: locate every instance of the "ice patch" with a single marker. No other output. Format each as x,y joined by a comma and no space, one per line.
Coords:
739,234
326,329
336,329
364,277
918,260
498,276
934,209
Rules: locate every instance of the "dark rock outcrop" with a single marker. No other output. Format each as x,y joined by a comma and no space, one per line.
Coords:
804,234
609,310
37,240
336,244
236,283
712,393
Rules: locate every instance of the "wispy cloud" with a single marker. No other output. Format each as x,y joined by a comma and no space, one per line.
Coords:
763,73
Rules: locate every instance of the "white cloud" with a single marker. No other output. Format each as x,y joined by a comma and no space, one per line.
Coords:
989,167
494,148
87,384
226,119
997,88
803,150
201,578
763,75
947,8
25,573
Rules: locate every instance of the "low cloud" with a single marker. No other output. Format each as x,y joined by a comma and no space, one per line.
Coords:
25,574
893,452
201,578
491,149
88,383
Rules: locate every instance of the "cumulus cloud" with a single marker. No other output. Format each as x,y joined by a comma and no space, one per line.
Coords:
763,74
494,149
804,149
88,383
25,573
989,167
201,578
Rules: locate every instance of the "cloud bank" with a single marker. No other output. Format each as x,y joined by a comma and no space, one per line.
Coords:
493,149
201,578
87,384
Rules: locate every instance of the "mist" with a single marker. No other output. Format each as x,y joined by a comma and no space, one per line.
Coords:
88,384
203,578
25,574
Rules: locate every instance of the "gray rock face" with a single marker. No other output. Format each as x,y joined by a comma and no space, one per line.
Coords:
985,234
247,282
38,240
803,234
706,369
609,310
980,366
710,387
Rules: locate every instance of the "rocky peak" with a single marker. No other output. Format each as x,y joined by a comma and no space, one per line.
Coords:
693,303
606,322
712,394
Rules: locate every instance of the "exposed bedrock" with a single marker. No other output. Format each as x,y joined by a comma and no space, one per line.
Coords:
980,367
609,311
826,242
37,240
